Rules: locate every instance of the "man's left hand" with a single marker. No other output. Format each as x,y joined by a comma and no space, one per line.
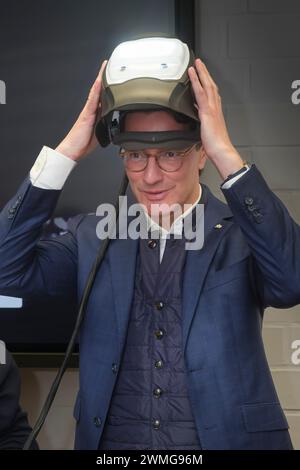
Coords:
214,136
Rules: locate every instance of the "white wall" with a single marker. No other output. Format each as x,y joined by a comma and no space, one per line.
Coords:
59,428
252,50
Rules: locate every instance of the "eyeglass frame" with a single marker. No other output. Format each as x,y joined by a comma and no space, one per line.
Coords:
183,154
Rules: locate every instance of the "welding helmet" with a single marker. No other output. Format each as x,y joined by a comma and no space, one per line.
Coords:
147,74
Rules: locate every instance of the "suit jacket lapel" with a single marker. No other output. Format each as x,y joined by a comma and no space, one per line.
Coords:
198,261
122,258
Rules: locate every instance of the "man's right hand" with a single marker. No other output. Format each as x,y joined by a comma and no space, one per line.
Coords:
81,139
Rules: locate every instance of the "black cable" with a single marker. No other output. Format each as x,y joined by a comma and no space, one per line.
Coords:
81,312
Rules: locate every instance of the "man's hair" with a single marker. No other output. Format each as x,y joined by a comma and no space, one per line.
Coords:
179,117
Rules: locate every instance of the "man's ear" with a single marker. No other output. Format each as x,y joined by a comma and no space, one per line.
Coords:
202,158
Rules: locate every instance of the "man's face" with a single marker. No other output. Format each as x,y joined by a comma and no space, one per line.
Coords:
154,185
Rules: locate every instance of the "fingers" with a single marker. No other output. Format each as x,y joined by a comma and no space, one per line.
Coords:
101,70
93,100
204,73
197,86
200,74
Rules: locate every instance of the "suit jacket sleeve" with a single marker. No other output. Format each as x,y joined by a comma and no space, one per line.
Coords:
273,238
29,264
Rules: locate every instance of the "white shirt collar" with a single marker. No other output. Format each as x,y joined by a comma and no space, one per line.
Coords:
176,226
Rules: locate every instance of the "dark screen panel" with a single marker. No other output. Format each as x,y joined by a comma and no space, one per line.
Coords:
50,55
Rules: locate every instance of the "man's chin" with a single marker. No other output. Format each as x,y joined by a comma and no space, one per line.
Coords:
164,211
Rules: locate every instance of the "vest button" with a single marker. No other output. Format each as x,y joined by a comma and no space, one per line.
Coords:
157,392
97,421
159,334
248,201
156,423
114,368
257,217
159,305
158,364
152,243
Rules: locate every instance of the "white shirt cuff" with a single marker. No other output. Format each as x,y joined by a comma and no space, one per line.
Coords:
51,169
229,183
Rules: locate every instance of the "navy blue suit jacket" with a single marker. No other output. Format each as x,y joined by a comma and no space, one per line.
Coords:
247,264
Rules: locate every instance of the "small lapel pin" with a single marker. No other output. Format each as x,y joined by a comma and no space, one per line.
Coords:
218,226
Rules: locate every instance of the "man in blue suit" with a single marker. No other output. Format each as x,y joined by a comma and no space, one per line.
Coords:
171,352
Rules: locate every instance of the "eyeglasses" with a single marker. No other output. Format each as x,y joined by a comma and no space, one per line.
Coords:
167,160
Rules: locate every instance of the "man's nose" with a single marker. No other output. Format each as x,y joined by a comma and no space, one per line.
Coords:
152,172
